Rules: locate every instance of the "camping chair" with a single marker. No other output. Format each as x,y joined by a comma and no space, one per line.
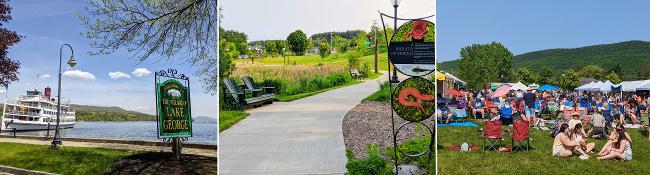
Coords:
520,135
492,135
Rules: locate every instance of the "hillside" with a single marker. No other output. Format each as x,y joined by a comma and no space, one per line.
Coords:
630,55
100,113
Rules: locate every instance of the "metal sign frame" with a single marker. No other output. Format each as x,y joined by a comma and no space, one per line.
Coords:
172,74
396,150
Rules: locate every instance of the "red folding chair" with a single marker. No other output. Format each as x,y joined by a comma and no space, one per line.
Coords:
492,135
520,135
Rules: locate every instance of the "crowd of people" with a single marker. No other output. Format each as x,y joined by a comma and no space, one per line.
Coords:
569,112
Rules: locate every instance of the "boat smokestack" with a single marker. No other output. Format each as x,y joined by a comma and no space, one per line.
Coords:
48,92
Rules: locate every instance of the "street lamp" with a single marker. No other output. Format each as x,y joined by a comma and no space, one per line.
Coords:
56,143
394,79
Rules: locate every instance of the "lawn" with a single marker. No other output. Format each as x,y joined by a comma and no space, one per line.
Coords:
537,161
229,118
334,59
67,160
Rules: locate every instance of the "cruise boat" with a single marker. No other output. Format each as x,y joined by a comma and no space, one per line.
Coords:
37,111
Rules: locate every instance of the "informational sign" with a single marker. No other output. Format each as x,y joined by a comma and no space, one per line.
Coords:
173,108
412,48
414,99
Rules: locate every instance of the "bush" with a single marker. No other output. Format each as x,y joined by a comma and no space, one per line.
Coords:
279,84
318,83
374,164
339,78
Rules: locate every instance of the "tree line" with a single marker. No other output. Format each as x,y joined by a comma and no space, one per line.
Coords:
481,64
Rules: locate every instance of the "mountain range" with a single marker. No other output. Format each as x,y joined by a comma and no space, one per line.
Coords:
630,56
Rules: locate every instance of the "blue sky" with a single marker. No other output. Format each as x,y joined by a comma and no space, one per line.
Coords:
524,26
47,25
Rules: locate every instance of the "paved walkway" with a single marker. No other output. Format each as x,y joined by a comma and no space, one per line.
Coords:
203,152
298,137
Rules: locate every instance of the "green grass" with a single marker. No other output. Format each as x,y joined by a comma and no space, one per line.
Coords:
229,118
336,59
537,161
383,94
67,160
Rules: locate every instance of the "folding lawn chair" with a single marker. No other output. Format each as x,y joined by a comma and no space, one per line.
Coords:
492,135
520,135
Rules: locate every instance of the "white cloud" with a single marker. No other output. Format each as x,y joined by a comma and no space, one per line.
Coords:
77,74
118,75
44,77
141,72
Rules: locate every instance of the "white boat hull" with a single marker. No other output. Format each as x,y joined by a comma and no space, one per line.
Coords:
34,126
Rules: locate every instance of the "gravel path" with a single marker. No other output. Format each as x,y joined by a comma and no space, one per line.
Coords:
370,123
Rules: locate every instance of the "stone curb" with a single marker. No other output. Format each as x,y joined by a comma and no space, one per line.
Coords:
20,171
130,142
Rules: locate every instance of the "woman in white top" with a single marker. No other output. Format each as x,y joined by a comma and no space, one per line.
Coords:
621,150
562,145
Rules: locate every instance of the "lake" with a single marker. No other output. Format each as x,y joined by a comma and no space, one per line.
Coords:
204,133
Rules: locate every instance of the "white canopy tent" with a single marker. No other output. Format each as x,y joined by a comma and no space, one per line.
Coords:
630,86
519,86
643,87
606,86
595,86
584,87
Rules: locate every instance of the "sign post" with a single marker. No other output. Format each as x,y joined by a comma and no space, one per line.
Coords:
411,51
173,108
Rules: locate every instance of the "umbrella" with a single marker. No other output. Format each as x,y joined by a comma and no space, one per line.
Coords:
454,92
501,91
547,87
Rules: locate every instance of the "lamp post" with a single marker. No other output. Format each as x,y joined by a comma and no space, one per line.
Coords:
4,108
56,143
394,79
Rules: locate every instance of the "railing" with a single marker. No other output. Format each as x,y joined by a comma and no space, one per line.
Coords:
22,113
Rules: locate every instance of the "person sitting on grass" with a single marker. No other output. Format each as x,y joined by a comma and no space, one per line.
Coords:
575,119
443,114
506,113
562,145
608,146
577,135
478,107
621,148
494,114
598,125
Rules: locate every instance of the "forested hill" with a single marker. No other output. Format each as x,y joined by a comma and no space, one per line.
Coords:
631,56
100,113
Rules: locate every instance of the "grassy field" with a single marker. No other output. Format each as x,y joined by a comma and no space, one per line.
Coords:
334,59
537,161
229,118
67,160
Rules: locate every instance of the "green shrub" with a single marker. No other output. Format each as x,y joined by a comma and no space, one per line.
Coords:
339,78
318,83
279,84
374,164
364,69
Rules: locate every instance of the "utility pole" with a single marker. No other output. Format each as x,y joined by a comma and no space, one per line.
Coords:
376,47
331,42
